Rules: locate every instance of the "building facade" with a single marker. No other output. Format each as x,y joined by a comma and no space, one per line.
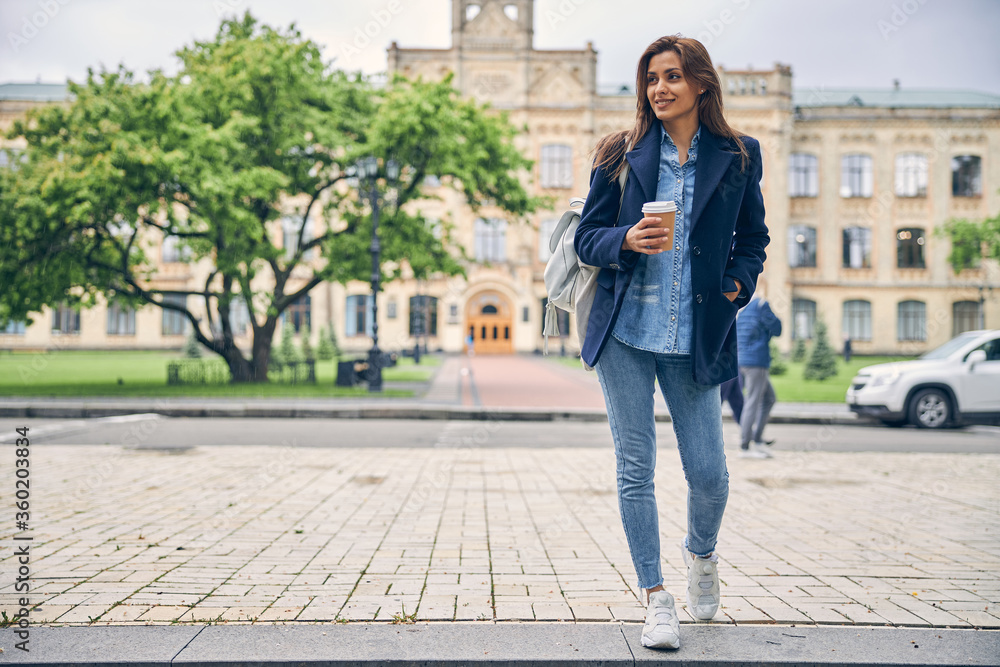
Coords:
855,184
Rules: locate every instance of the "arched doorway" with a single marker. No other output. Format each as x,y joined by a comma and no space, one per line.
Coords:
488,319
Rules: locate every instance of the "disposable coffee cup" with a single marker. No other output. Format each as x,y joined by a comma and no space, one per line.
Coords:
666,211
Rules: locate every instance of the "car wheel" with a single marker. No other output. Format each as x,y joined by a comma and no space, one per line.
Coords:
930,408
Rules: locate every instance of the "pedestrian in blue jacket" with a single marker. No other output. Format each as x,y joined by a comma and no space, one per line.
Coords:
664,310
755,327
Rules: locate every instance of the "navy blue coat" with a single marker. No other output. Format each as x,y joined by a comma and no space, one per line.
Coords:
727,240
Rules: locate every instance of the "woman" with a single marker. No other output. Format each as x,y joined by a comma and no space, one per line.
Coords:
668,314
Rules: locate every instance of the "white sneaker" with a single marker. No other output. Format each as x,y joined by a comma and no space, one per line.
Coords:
703,594
662,629
756,451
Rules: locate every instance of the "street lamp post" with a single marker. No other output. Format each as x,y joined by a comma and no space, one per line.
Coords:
368,173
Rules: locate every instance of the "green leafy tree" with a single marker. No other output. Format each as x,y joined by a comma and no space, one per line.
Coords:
324,348
971,242
251,141
822,362
306,348
800,350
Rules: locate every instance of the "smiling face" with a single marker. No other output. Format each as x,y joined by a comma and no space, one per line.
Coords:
672,96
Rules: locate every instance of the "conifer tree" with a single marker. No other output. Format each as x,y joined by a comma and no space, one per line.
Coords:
822,361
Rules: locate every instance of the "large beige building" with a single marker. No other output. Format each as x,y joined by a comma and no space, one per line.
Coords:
855,184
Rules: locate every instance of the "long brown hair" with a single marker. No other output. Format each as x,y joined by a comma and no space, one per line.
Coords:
697,66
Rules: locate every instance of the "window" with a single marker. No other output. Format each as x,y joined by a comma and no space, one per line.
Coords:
121,320
174,323
803,318
290,229
453,314
65,320
856,175
910,248
858,320
562,319
557,166
965,316
803,175
491,240
857,248
911,320
299,313
911,175
359,313
544,234
526,314
174,250
423,315
11,157
801,246
13,329
966,176
239,316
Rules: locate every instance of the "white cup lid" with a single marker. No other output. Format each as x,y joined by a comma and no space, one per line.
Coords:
659,207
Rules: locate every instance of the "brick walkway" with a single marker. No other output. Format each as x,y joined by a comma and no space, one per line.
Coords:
521,381
463,532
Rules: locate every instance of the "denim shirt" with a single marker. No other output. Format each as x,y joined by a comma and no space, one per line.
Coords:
657,312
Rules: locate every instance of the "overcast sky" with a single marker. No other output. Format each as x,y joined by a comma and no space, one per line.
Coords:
830,43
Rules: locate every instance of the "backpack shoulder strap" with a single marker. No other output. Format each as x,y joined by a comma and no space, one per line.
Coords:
561,227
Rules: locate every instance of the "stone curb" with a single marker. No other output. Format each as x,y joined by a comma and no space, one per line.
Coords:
89,411
510,644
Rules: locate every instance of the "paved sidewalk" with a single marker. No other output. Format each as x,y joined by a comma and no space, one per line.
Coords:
461,532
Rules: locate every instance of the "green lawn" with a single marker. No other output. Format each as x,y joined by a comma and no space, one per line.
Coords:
144,373
791,387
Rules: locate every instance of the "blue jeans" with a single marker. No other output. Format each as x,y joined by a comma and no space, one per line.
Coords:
627,374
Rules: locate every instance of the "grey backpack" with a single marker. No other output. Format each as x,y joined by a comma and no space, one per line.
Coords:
569,282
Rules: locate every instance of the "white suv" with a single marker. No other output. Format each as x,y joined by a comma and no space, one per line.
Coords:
956,384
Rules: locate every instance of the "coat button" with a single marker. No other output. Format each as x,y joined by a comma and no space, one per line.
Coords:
615,267
697,298
696,250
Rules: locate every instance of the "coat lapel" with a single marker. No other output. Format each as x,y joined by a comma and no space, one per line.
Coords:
644,161
714,159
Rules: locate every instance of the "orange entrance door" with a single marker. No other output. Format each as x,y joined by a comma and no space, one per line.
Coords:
490,324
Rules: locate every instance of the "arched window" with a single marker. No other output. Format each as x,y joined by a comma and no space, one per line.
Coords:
423,315
803,318
966,176
910,248
857,248
801,246
803,175
856,175
491,240
911,320
557,166
858,320
911,175
489,309
965,316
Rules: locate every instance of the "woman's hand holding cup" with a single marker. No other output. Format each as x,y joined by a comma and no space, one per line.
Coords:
646,237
